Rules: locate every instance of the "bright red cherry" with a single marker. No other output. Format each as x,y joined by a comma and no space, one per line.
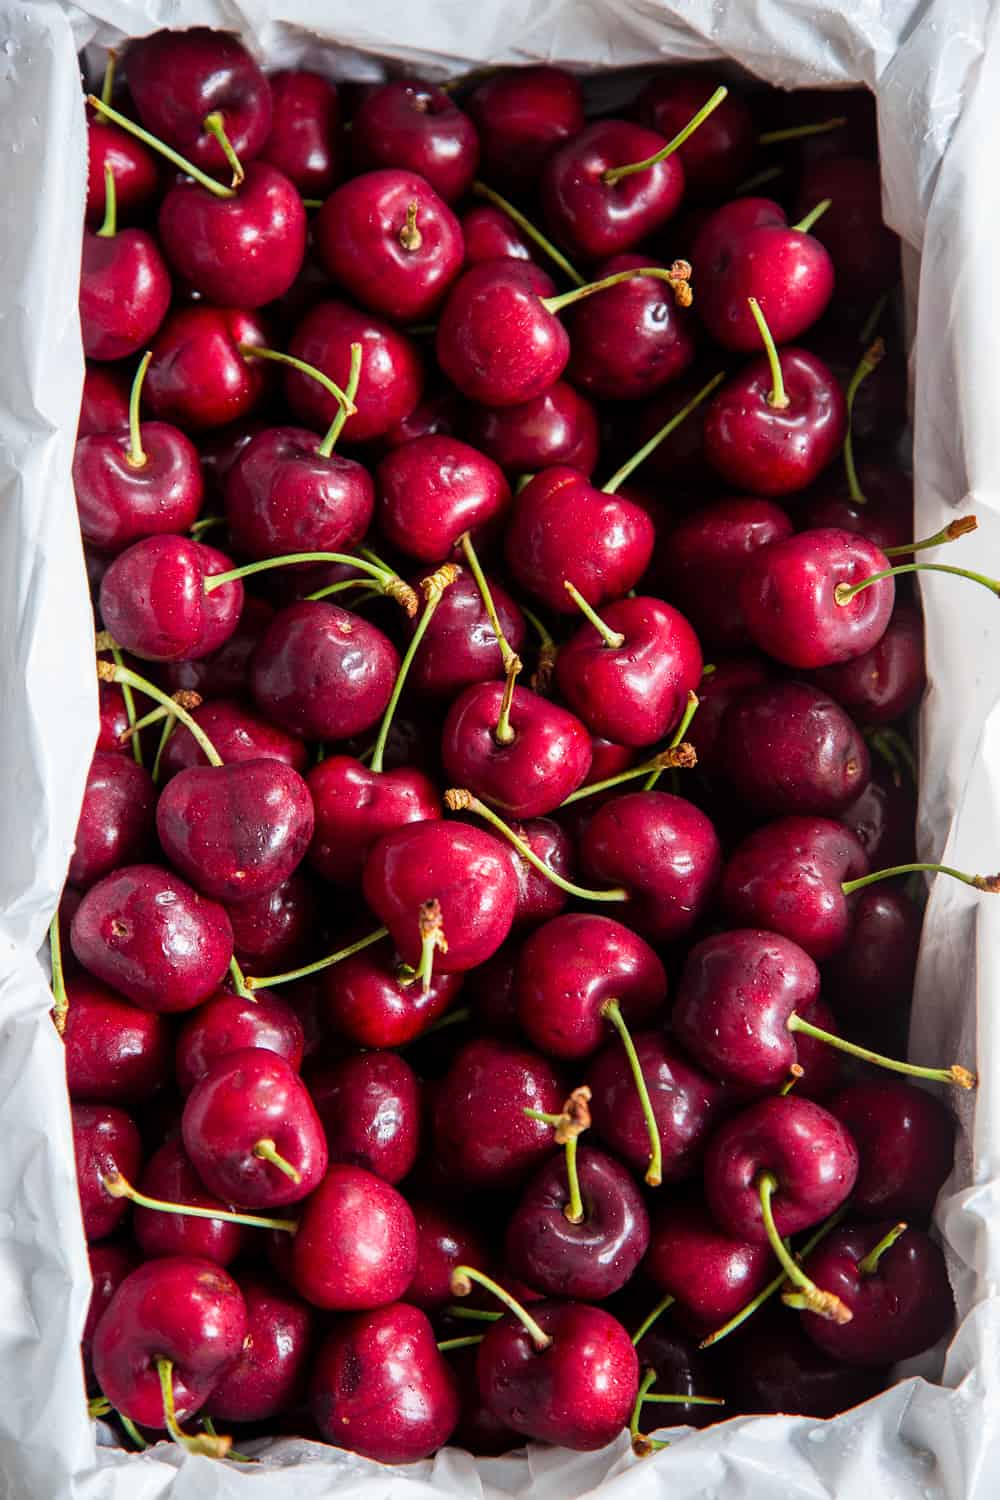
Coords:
413,125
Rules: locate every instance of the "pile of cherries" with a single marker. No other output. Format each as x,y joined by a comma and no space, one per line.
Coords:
489,905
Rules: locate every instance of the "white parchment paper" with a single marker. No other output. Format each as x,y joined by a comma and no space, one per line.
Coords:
935,67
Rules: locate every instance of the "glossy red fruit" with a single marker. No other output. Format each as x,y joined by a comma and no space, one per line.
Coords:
109,1265
229,1023
118,502
718,155
633,338
134,166
199,379
304,138
224,673
855,188
522,114
459,646
496,341
905,1139
170,1176
116,820
237,733
884,683
732,676
481,1134
115,1052
270,1375
372,1000
392,374
593,218
538,897
413,125
490,234
432,490
711,1274
370,1107
124,293
104,404
788,272
527,777
558,427
772,450
277,930
105,1141
154,602
446,1240
282,496
356,1244
355,806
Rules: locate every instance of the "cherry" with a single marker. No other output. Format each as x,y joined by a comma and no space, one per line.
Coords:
788,748
200,377
481,1133
489,233
171,1331
718,155
369,1106
392,374
321,672
238,734
779,1370
105,1140
883,818
354,806
870,979
479,1432
124,287
513,748
114,721
905,1140
630,673
170,1176
134,169
773,428
303,141
854,187
381,1387
590,1255
788,876
895,1282
497,339
710,1275
445,1240
716,692
177,78
446,892
104,402
391,242
231,1023
356,1244
115,1052
680,1372
270,1375
539,897
224,673
557,428
460,646
415,126
522,114
433,490
109,1265
155,602
798,603
686,1104
436,414
149,935
632,340
665,853
116,820
885,682
251,1130
276,928
371,999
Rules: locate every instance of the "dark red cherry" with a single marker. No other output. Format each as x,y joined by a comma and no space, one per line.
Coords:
237,733
855,214
270,1375
170,1176
633,338
372,1000
392,374
150,936
370,1107
681,1370
526,768
905,1140
459,647
230,1023
391,242
433,489
436,414
522,114
154,601
481,1134
883,818
104,403
118,501
282,495
381,1387
779,1370
732,676
559,427
446,1240
593,218
539,898
322,672
116,820
199,378
869,981
787,271
134,167
490,234
355,806
105,1141
124,293
109,1265
496,339
687,1104
115,1052
274,931
884,683
224,673
177,78
305,130
717,156
711,1275
114,720
413,125
356,1244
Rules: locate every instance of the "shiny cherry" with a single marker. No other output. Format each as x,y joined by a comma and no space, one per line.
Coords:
170,1176
283,495
116,820
432,490
119,500
632,339
370,1109
356,1244
177,78
229,1023
413,125
304,139
481,1133
526,762
200,378
372,1000
522,114
884,683
905,1140
391,370
105,1141
354,806
711,1275
124,292
269,1376
446,1239
559,427
593,217
717,156
237,733
115,1052
459,647
154,601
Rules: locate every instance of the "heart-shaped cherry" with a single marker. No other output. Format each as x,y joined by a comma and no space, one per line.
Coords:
522,114
105,1141
433,490
356,1244
905,1140
115,1052
124,286
369,1106
231,1023
481,1131
634,339
354,806
415,126
270,1375
304,138
116,820
710,1275
170,1177
199,377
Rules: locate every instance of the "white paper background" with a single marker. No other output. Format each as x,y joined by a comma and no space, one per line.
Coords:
936,69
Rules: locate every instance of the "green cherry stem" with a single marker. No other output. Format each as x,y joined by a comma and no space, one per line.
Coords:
690,709
239,981
988,883
675,1400
132,1431
346,409
170,724
568,1127
99,1406
206,523
184,697
961,526
795,1072
758,180
388,583
207,1446
893,748
650,1319
462,1278
266,1150
458,799
612,638
956,1074
60,1009
825,1304
869,361
433,588
432,940
187,167
108,82
813,216
345,401
845,592
777,396
127,695
118,1186
270,981
474,1314
615,174
678,277
611,1011
800,132
642,1446
240,1458
535,235
504,733
775,1284
869,1265
507,655
541,678
135,455
124,675
629,467
873,320
666,760
109,224
468,1342
216,126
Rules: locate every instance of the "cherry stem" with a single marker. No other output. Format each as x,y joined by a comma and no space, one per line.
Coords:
611,1011
336,427
795,1072
800,132
216,126
239,981
690,709
129,701
685,1400
433,588
612,638
206,523
678,276
346,584
241,1458
135,455
961,526
388,582
270,981
869,1265
956,1074
458,799
568,1127
168,728
869,361
109,224
541,678
132,1431
409,236
187,167
266,1150
758,180
893,748
650,1319
775,1284
777,396
468,1342
99,1406
118,1186
124,675
667,760
60,1009
642,1445
432,940
534,234
184,697
345,402
825,1304
455,1017
629,467
208,1447
507,654
989,883
874,319
845,592
462,1278
813,216
108,83
614,174
474,1314
504,733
